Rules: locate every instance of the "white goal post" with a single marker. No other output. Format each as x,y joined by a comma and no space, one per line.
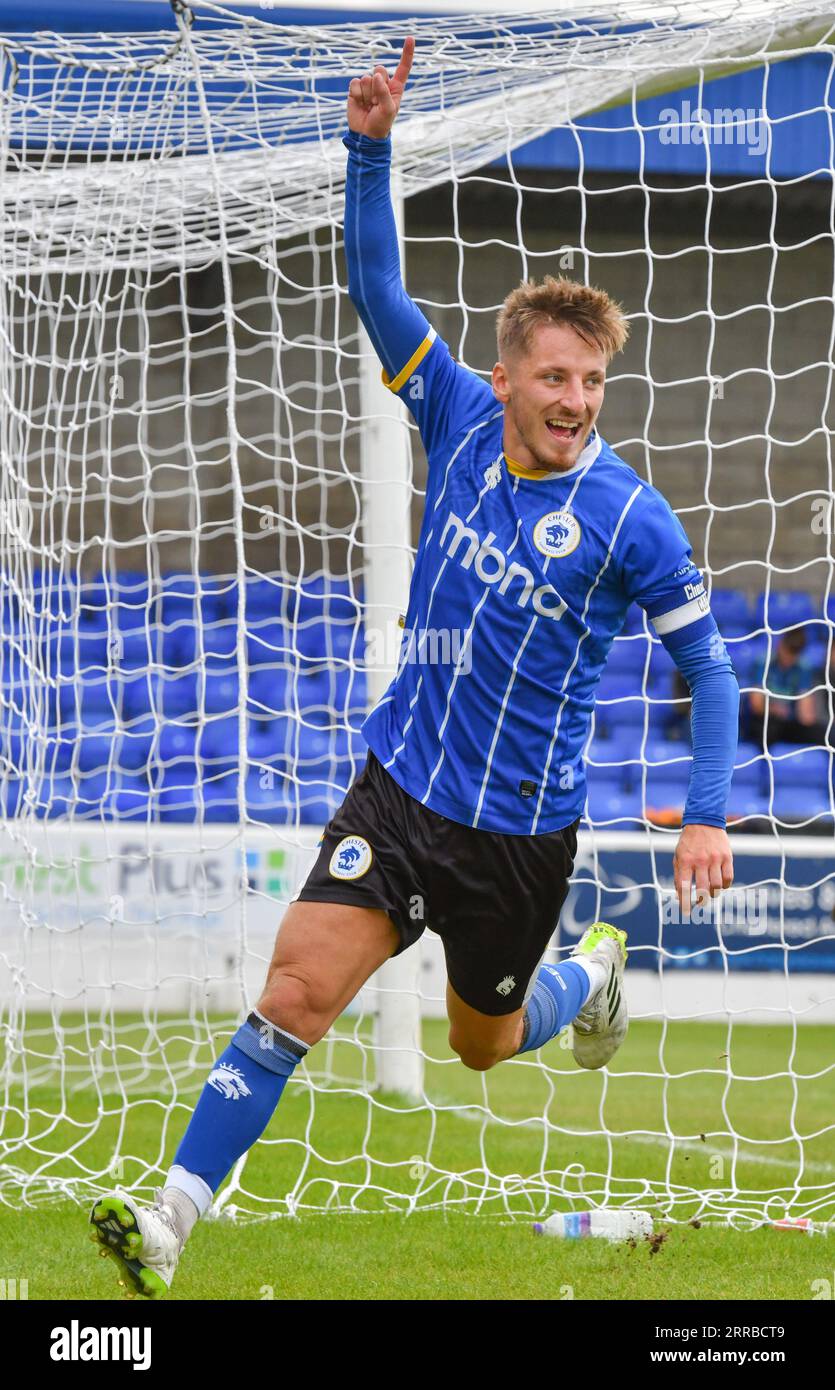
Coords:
208,512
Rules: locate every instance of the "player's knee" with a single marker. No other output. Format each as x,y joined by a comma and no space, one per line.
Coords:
293,1001
475,1056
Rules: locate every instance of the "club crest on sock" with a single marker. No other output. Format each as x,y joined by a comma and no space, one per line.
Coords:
229,1081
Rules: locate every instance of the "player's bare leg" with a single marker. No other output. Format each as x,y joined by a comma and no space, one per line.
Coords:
480,1039
323,955
587,990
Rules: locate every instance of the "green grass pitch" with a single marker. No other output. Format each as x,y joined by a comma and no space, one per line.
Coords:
707,1108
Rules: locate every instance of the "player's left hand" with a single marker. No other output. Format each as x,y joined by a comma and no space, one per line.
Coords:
703,855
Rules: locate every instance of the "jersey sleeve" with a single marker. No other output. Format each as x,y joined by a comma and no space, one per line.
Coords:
656,571
417,365
442,396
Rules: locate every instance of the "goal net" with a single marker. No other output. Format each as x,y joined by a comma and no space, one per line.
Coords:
208,516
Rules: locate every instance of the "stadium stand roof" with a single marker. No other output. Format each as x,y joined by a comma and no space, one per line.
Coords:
744,144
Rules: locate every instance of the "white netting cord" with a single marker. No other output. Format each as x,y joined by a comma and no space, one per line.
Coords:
104,229
467,92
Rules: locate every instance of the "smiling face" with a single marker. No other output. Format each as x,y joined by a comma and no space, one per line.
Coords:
552,394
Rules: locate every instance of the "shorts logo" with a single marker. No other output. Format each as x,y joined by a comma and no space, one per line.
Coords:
351,858
506,985
556,534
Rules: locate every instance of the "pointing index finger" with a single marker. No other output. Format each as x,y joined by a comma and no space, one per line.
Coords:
404,67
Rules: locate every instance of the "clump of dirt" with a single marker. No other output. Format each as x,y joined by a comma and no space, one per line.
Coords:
656,1241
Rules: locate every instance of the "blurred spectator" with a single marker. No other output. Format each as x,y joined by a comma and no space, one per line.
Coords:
825,694
789,713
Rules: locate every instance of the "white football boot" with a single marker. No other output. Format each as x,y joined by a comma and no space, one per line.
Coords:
142,1240
600,1026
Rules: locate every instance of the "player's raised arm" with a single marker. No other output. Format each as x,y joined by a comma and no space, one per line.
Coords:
416,363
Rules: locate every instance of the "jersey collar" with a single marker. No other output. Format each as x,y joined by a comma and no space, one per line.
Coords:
536,475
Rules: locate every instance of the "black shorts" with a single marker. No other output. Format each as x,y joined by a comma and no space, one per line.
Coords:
494,900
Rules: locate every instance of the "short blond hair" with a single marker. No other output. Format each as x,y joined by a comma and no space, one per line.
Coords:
592,313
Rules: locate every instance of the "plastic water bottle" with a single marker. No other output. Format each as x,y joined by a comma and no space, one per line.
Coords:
615,1223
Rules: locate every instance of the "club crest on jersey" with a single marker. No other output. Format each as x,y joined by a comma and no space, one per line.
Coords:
351,858
556,534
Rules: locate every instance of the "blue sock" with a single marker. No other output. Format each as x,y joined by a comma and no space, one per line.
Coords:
235,1107
558,996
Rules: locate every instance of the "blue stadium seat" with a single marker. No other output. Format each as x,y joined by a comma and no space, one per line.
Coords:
732,611
793,766
746,805
176,796
218,598
779,610
323,596
668,769
317,804
59,752
313,695
749,770
127,798
96,748
795,805
132,611
176,645
264,598
95,699
219,640
54,797
611,807
218,741
667,759
261,738
615,685
177,743
621,713
178,600
627,660
131,651
268,643
176,697
606,758
267,799
328,639
134,697
221,690
747,656
91,789
661,669
134,746
220,797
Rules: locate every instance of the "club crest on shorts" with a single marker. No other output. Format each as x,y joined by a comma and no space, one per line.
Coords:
556,534
351,858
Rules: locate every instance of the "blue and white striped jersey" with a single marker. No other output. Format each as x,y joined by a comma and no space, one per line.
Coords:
521,583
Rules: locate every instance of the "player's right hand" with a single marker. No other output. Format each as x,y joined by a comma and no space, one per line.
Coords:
374,99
